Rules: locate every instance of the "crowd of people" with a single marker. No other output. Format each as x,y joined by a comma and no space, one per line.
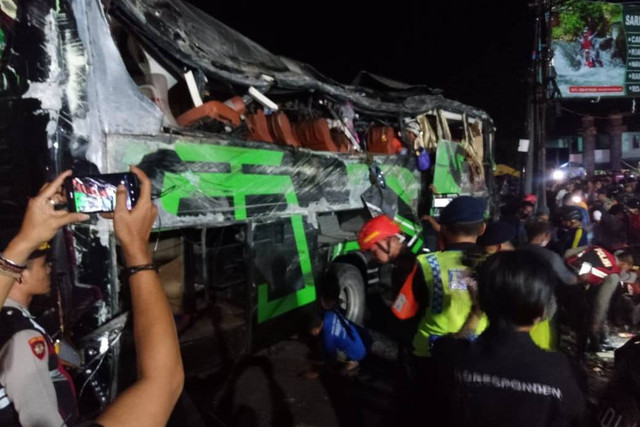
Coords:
490,300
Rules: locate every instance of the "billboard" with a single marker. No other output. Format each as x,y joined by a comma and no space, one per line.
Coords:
596,48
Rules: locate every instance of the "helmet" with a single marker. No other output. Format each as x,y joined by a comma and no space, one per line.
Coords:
571,213
375,230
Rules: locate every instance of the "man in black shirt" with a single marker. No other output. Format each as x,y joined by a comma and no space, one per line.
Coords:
502,378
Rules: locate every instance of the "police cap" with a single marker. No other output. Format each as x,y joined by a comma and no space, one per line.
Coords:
463,209
497,233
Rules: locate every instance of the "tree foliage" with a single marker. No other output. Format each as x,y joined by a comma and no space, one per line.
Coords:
572,17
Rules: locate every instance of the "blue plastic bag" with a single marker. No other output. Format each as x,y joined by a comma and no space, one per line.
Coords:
423,161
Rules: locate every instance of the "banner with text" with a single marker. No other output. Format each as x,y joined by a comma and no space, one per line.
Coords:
596,49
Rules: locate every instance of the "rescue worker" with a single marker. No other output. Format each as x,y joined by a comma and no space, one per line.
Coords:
383,240
35,389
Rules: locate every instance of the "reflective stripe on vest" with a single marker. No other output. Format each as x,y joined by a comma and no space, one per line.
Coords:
438,291
576,238
449,301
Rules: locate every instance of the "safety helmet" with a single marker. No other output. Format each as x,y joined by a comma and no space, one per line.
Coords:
375,230
571,213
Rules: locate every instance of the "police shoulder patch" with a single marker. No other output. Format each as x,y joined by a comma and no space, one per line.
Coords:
38,347
460,279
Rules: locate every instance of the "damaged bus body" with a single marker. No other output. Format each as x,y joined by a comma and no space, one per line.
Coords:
263,169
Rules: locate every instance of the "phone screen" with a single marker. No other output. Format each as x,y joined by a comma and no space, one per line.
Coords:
440,202
97,193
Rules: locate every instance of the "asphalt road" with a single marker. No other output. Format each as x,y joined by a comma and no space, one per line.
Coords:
270,389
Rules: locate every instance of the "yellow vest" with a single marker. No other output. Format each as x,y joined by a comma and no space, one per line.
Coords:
446,279
544,335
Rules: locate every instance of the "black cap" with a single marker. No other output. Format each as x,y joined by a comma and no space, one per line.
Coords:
463,210
497,233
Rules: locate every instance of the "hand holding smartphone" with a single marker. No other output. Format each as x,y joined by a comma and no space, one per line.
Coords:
97,193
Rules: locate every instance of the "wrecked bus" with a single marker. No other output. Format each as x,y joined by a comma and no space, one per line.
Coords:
263,171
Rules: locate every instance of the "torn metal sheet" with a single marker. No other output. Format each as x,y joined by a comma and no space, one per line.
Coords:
191,38
113,102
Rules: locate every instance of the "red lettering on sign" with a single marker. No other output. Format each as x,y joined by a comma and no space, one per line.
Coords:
595,89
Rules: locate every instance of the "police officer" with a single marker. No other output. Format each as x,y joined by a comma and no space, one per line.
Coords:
152,397
35,389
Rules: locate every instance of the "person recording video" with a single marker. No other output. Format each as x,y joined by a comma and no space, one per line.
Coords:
150,400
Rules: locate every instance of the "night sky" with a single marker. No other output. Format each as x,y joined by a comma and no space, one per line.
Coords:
477,52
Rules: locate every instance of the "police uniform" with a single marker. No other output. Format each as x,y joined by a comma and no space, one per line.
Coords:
440,285
441,289
35,390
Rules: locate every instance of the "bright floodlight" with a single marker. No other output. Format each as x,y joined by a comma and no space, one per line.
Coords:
558,175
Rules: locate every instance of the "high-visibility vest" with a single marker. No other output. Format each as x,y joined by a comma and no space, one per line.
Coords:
544,335
446,279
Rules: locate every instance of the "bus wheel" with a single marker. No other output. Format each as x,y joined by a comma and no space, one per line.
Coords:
352,298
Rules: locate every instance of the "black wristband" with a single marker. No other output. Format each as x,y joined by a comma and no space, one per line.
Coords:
130,271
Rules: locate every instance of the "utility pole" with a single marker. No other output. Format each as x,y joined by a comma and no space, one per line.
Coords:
536,160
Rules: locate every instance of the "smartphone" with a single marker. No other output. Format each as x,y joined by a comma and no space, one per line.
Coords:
97,193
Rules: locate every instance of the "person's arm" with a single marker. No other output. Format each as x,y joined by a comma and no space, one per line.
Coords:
432,221
150,400
563,272
24,372
40,224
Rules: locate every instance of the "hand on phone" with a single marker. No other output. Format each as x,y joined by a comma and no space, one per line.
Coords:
42,220
133,227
